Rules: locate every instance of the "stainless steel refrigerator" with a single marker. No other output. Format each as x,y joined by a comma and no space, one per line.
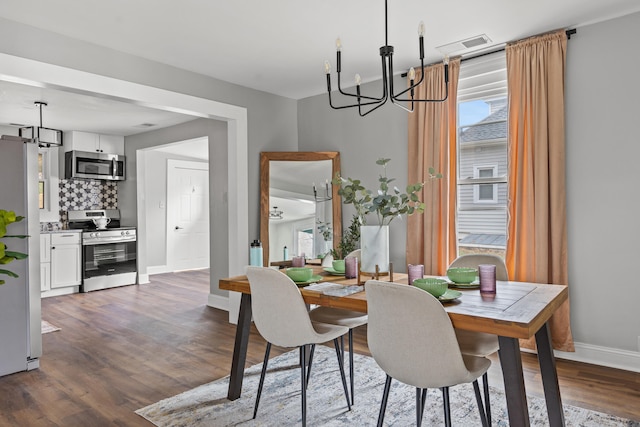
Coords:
20,317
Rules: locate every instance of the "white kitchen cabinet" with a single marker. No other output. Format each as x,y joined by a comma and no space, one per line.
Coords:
93,142
45,276
45,262
65,260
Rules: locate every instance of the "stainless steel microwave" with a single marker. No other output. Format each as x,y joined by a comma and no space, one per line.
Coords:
88,165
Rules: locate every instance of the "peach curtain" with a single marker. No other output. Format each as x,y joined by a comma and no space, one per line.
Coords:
537,230
431,237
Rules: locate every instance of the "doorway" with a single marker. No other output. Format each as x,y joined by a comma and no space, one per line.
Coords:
187,215
160,169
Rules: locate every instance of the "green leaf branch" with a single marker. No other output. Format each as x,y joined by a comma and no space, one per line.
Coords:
7,256
387,202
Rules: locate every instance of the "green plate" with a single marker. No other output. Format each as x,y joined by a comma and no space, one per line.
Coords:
473,285
312,280
330,270
450,295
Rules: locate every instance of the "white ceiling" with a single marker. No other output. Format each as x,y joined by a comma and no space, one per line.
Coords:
276,46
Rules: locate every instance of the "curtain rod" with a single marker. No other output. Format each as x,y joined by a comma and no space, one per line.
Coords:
569,33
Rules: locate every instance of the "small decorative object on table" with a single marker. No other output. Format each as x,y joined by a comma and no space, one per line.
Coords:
298,261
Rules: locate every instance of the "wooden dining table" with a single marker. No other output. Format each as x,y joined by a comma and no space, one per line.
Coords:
517,310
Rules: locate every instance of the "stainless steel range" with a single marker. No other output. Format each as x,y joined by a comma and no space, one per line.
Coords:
108,253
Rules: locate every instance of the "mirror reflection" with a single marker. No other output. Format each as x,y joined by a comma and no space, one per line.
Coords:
300,210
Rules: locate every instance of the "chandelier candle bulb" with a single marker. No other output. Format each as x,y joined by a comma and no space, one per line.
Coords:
358,79
327,67
421,29
338,44
412,74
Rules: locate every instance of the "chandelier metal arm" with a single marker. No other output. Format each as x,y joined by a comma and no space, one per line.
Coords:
343,92
386,53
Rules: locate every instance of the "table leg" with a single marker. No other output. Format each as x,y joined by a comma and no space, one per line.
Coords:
516,397
549,377
240,348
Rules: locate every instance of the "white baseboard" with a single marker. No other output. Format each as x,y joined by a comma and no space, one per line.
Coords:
159,269
60,291
603,356
143,279
218,301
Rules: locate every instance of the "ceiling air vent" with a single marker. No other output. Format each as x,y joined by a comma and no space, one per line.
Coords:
145,125
464,45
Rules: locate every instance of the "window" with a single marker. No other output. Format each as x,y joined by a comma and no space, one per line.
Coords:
42,179
305,242
485,193
482,155
48,193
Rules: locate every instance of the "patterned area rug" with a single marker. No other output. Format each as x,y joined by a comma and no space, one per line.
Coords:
48,327
326,405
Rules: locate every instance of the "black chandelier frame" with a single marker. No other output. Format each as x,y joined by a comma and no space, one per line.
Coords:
386,54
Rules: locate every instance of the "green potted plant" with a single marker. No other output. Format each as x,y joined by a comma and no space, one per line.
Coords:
349,242
6,256
387,203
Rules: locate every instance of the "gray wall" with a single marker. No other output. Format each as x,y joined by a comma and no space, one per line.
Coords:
361,141
602,175
271,118
602,178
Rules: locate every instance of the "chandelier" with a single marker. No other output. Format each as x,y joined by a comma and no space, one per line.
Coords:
275,213
386,53
44,137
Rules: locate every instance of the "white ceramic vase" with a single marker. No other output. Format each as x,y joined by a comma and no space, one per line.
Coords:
374,242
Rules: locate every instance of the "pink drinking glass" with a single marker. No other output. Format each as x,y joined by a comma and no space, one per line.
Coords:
415,272
350,267
487,273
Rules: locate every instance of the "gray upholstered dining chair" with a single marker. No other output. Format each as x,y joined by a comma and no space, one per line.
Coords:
480,343
281,317
348,318
412,339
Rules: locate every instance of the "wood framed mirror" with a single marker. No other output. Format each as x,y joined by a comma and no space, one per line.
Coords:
296,192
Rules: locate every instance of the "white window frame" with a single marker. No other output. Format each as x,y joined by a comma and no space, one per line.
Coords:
481,181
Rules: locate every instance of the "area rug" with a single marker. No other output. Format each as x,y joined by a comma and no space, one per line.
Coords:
207,405
48,327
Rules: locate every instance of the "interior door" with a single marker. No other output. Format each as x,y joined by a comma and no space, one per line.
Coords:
187,215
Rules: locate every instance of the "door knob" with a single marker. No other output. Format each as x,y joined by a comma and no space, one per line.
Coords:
179,228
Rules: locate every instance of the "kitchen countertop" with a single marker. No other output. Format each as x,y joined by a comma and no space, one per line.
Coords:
61,231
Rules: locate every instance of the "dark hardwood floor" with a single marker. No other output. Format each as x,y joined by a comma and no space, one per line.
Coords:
122,349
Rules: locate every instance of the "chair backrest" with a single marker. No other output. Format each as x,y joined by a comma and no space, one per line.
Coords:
279,312
411,337
474,260
356,254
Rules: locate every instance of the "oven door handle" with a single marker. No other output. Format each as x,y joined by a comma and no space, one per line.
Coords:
104,241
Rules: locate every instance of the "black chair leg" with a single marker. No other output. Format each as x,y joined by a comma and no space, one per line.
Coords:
383,404
487,400
342,375
313,349
418,407
447,406
261,383
424,399
483,418
351,380
303,376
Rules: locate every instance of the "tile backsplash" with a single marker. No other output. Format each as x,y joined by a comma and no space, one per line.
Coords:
83,194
